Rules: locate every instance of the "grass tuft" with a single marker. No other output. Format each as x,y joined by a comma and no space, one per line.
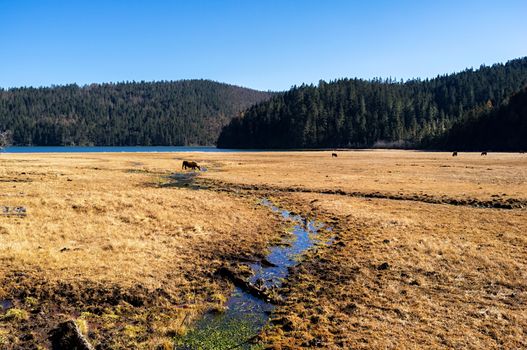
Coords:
16,315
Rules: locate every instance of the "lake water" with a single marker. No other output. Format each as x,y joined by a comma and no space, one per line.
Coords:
114,149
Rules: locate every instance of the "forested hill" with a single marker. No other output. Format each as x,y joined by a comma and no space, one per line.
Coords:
499,129
359,113
186,112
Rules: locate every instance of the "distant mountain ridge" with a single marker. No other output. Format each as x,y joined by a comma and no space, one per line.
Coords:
364,113
185,112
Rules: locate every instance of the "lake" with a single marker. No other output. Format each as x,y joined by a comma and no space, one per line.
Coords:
114,149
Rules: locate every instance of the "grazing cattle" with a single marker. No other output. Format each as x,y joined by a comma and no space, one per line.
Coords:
190,165
483,153
333,155
454,154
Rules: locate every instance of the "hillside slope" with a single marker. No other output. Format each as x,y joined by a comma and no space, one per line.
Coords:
359,113
500,129
186,112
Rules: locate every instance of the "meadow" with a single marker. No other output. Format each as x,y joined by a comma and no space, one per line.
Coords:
428,250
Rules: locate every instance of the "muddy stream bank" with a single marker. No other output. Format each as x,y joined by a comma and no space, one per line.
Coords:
248,309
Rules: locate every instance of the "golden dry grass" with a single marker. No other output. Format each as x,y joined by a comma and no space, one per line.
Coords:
100,221
456,273
499,175
107,224
455,278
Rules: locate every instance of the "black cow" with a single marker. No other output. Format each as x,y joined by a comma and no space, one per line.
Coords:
190,165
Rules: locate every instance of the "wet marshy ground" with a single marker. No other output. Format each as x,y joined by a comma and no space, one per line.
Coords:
185,180
246,314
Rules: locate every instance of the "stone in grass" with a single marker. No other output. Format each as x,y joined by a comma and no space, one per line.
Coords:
68,336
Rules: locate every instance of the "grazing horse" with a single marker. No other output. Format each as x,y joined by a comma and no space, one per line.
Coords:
188,164
483,153
454,154
333,155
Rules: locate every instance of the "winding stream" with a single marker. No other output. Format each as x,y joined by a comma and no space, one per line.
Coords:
246,315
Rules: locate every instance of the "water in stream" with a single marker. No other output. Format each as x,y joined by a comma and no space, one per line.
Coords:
246,315
6,304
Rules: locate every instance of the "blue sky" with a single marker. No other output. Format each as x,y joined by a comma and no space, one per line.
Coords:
268,45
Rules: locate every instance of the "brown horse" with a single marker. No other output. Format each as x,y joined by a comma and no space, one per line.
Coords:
190,165
333,155
483,153
454,154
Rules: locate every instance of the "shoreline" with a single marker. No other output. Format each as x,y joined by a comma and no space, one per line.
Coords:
210,149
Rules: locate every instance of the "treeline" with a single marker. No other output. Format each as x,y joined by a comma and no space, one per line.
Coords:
487,129
360,113
187,112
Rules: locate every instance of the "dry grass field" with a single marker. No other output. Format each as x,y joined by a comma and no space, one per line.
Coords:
109,241
496,177
408,275
104,243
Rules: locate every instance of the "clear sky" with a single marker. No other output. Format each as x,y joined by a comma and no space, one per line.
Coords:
263,44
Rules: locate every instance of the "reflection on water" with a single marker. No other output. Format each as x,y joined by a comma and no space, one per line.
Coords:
246,315
117,149
6,304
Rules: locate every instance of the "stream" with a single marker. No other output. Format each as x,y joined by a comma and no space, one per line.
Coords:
246,315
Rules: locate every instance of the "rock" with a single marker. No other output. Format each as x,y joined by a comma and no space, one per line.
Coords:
68,336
